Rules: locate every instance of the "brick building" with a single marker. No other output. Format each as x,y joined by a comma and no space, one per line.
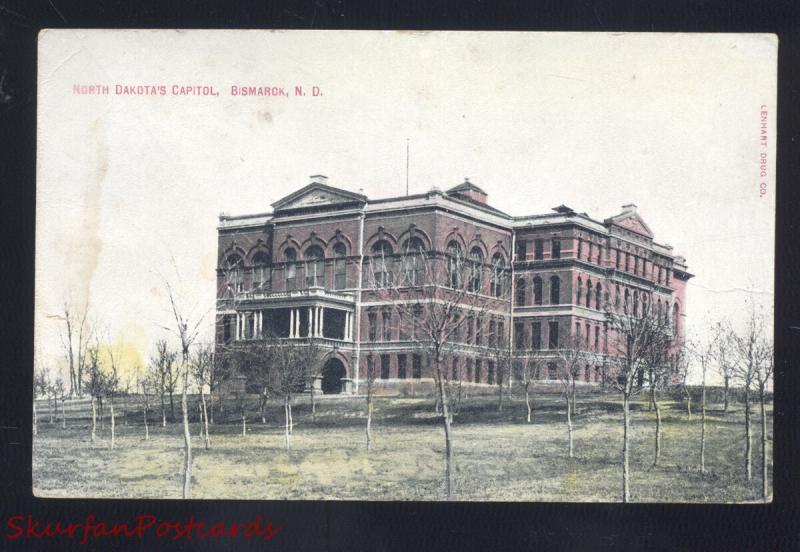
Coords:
307,271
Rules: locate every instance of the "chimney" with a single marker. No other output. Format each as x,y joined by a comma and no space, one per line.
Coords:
629,208
319,179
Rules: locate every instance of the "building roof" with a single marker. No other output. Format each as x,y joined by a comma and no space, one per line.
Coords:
466,186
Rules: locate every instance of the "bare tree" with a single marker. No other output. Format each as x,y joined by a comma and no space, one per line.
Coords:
751,350
96,382
634,335
202,370
75,338
763,376
433,295
60,394
526,368
164,363
113,382
147,386
572,357
683,369
659,375
703,353
40,385
724,357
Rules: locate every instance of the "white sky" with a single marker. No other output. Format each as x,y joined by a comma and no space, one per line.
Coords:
125,183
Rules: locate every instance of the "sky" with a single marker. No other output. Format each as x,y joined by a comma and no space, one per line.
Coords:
130,186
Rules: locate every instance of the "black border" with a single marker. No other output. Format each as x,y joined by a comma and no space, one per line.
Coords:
396,526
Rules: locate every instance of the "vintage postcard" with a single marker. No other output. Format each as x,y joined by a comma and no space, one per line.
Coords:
473,266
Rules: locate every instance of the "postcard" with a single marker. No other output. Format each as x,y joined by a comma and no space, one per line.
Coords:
361,265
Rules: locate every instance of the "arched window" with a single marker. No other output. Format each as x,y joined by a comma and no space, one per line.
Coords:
520,292
339,266
414,262
626,306
645,305
455,262
315,266
291,269
475,270
616,298
636,303
589,293
555,290
659,311
498,275
675,318
579,291
260,271
598,296
537,291
381,253
234,270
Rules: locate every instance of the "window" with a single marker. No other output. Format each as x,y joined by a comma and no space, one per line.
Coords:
616,298
597,338
591,249
401,322
598,296
599,254
381,254
456,376
250,321
477,370
555,290
497,276
469,328
386,325
536,335
339,266
586,374
580,248
520,292
260,271
370,366
659,311
537,291
385,367
455,260
492,334
475,270
555,248
538,249
501,332
291,269
373,326
675,318
626,305
666,271
522,250
401,366
627,262
469,369
519,336
414,269
616,251
490,372
479,331
415,321
588,334
416,365
597,374
589,294
635,264
226,328
553,335
636,303
315,266
552,370
579,291
235,277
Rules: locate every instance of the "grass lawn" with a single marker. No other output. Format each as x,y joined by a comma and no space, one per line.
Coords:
498,455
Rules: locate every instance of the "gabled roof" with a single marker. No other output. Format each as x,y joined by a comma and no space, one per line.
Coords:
629,219
315,195
466,186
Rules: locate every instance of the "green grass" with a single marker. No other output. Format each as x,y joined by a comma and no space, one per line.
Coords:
499,457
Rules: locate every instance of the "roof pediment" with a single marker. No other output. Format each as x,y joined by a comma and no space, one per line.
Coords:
631,220
317,195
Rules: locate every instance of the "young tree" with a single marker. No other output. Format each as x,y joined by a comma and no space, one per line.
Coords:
370,376
682,368
752,351
163,362
60,393
634,336
40,385
433,296
146,384
723,346
763,376
659,374
202,371
572,358
96,382
75,338
526,368
113,382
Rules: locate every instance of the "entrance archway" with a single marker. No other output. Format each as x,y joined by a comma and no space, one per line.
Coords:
332,374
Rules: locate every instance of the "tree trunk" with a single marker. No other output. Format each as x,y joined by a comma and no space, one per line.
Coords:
688,403
727,384
658,429
291,419
50,408
569,425
94,421
500,396
100,408
205,417
200,420
172,407
286,421
146,427
263,406
111,408
748,446
313,404
63,414
35,423
369,420
626,492
528,404
163,412
573,395
244,424
448,438
764,462
187,438
703,426
210,407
